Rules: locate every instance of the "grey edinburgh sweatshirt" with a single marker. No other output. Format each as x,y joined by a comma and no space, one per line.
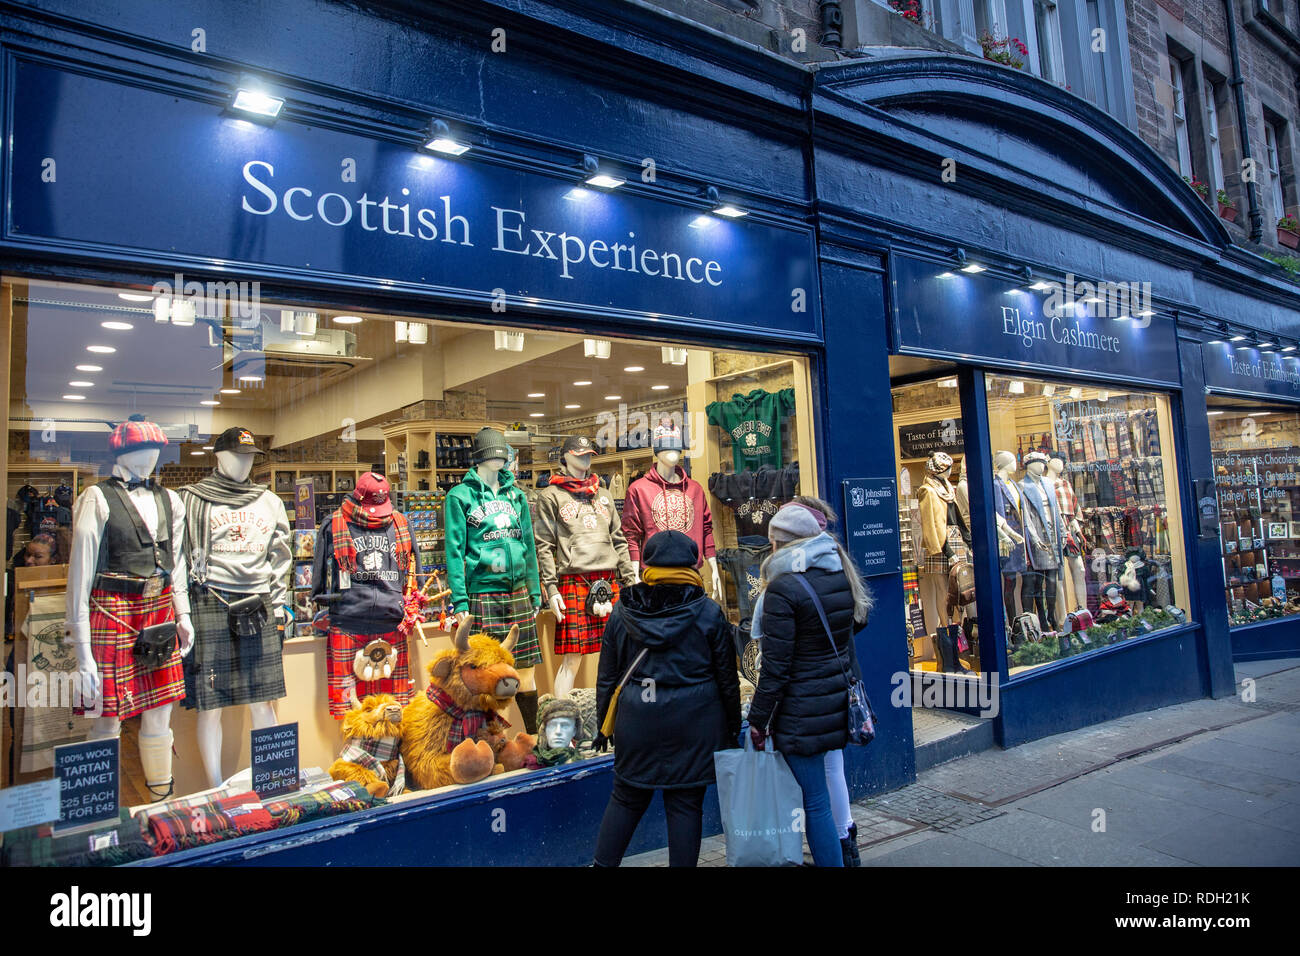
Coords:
576,534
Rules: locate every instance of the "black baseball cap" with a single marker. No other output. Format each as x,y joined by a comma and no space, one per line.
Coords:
578,445
239,440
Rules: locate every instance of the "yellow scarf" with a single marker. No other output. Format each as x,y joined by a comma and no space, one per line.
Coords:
653,576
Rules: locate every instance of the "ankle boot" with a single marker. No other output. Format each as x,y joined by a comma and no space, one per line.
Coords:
854,858
527,701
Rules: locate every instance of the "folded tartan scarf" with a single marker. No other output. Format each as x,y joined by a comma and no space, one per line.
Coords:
345,796
465,724
372,754
349,513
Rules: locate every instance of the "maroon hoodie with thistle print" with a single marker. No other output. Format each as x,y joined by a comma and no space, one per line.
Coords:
653,505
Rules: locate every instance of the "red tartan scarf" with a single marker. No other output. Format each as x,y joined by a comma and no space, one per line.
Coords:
577,486
465,724
345,552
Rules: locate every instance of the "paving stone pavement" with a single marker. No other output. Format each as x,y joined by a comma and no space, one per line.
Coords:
1205,783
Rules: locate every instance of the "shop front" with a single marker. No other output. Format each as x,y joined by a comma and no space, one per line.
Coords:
1253,404
346,297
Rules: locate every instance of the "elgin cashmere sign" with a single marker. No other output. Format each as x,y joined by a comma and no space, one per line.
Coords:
944,312
197,186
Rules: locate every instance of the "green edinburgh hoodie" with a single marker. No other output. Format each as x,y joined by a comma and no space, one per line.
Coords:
493,534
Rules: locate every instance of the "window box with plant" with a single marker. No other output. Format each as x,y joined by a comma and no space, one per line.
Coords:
1009,51
1201,189
1288,232
907,9
1227,208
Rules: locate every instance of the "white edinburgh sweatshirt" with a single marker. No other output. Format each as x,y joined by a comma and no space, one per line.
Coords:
250,549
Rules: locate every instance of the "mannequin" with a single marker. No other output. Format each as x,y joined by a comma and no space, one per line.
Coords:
945,540
239,546
580,543
1045,541
558,720
1074,586
1011,539
492,560
667,499
125,556
363,573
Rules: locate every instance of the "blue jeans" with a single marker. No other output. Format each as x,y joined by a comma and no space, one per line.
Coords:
819,822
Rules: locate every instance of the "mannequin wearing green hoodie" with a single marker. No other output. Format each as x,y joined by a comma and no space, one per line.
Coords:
492,563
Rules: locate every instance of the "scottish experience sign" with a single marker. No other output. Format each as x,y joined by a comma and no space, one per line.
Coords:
104,167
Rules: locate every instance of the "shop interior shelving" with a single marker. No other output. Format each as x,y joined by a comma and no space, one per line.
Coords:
281,476
404,442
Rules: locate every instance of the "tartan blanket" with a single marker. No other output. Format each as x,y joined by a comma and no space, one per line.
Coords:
372,754
180,828
343,797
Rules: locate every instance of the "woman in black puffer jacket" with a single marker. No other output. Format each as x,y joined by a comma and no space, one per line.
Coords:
801,701
666,732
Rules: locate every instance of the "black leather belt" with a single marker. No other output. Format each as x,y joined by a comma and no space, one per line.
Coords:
150,587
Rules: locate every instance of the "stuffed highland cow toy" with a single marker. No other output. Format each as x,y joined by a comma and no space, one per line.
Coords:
373,734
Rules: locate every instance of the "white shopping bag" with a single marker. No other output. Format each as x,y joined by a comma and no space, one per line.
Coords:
762,807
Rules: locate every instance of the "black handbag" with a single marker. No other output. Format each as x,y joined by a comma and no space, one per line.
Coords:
247,615
155,645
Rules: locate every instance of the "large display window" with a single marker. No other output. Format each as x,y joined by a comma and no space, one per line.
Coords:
1256,449
229,514
1088,516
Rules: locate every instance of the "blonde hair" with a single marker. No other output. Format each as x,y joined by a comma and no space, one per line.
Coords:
862,600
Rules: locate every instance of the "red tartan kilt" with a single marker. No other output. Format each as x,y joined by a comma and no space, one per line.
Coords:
128,691
578,632
341,651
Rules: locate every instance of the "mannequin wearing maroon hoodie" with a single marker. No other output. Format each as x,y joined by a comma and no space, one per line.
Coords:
655,503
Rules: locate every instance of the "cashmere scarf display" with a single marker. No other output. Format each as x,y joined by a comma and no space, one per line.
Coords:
577,486
215,489
345,552
652,576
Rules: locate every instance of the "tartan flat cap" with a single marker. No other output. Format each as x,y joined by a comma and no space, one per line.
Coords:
135,433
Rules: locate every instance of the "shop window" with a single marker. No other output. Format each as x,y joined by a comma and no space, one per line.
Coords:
1273,143
934,523
1088,516
1047,27
1213,96
706,441
1256,452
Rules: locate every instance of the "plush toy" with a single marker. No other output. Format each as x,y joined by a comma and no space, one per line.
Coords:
447,732
373,732
1113,607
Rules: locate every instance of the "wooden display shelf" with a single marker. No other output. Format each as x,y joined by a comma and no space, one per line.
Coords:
266,474
417,435
34,472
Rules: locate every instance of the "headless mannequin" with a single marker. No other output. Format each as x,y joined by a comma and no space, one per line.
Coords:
1002,464
576,466
666,464
488,474
1039,590
155,724
1074,586
236,467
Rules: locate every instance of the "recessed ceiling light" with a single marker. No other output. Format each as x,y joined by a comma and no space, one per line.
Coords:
101,349
1214,413
635,368
536,394
580,384
612,398
1041,286
572,406
250,378
1076,392
209,401
658,388
134,297
730,211
946,275
230,391
973,268
90,368
1237,338
75,398
536,414
347,320
117,326
198,453
82,384
208,447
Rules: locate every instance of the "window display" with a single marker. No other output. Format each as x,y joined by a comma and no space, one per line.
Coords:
407,544
1257,472
1087,515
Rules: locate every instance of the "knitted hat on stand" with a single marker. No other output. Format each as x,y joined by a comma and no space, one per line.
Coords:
489,443
135,433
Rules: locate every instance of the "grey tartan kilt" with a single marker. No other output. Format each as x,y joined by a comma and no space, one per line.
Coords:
223,671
